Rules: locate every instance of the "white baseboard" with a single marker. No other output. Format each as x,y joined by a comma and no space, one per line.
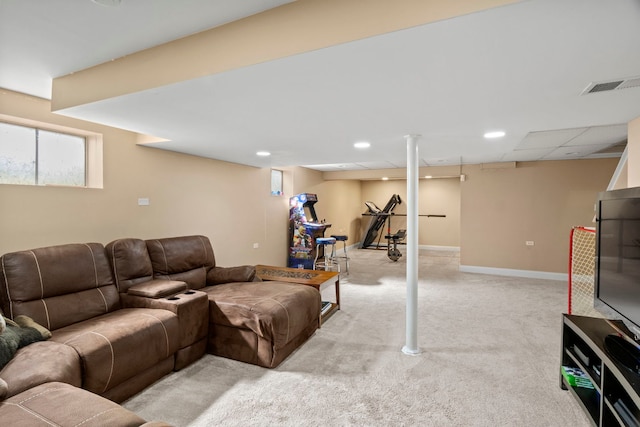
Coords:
425,247
440,248
531,274
350,247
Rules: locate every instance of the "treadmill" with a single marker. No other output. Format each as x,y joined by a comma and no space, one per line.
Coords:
378,218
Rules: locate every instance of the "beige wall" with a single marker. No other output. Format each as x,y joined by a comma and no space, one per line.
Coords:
537,201
436,197
229,203
499,208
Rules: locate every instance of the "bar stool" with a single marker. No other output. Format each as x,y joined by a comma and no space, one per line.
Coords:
342,238
328,261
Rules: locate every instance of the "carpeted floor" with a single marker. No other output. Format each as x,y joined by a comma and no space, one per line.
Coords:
490,354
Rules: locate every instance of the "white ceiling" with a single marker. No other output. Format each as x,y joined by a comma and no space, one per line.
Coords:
520,68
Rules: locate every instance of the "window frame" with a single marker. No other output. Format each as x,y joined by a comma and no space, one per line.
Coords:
93,156
277,178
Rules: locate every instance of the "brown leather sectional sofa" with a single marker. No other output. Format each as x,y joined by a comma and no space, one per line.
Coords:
126,314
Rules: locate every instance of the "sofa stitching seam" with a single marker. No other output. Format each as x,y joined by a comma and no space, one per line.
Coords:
164,255
49,390
44,304
113,262
6,284
166,335
95,270
35,414
106,387
95,416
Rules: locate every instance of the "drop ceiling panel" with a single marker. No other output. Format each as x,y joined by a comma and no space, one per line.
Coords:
615,149
599,155
335,167
526,155
547,139
480,158
600,135
381,165
574,152
441,161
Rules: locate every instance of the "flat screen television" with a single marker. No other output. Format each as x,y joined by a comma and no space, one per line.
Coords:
617,272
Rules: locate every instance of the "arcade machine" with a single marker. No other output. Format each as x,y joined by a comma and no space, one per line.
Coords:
378,218
304,228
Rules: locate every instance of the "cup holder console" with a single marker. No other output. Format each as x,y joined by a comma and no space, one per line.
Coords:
177,297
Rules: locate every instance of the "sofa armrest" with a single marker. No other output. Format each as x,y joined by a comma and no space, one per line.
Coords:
219,275
191,307
39,363
157,288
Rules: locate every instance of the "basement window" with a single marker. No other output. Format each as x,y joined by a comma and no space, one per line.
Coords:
276,182
35,154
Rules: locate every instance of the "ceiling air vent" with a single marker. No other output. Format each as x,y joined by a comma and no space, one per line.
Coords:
612,85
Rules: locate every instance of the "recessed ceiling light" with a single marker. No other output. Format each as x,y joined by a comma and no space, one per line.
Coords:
494,134
362,144
263,153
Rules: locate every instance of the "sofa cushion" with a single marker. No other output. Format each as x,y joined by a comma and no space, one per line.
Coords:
118,345
187,259
43,283
276,311
130,262
242,273
59,404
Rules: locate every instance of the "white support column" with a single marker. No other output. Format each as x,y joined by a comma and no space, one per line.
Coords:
411,345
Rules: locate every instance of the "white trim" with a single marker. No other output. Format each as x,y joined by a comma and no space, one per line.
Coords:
421,247
349,247
440,248
531,274
621,164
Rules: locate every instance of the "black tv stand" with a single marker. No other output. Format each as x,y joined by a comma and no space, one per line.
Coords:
627,354
592,346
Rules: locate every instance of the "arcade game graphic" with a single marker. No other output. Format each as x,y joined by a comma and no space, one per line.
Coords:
304,229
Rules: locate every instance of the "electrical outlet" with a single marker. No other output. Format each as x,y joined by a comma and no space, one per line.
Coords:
256,245
529,243
143,201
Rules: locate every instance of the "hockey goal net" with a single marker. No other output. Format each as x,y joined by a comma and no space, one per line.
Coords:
582,259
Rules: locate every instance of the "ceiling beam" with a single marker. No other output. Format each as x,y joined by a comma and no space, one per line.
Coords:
290,29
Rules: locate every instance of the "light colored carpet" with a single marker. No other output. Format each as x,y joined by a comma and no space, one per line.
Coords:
490,353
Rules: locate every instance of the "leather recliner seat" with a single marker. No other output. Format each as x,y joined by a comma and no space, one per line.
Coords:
70,290
249,320
133,274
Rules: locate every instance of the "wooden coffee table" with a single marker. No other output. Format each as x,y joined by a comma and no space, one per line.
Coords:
319,279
